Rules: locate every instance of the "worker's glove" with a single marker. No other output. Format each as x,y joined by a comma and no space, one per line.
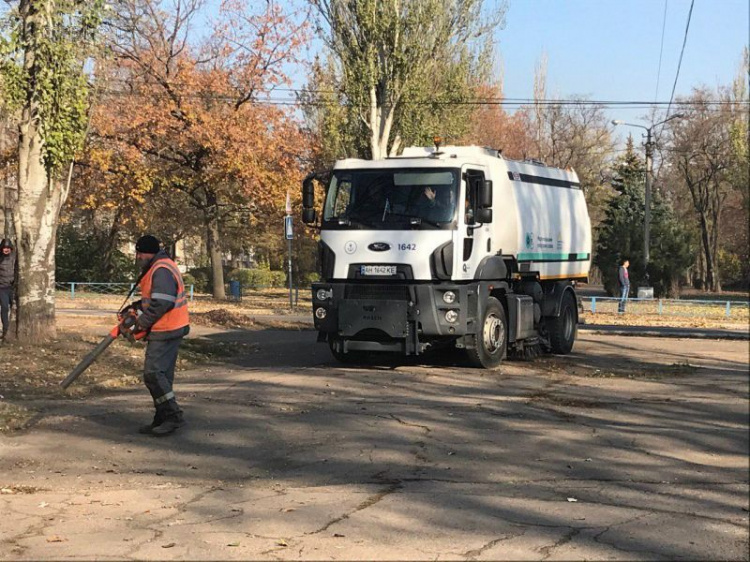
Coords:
128,326
134,306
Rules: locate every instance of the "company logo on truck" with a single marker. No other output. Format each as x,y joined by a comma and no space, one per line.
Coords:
529,240
379,246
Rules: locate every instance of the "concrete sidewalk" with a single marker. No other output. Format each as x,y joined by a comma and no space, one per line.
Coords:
666,332
627,449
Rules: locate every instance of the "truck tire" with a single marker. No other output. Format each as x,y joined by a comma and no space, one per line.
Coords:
563,328
491,343
349,357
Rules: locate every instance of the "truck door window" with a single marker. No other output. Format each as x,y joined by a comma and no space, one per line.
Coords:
473,177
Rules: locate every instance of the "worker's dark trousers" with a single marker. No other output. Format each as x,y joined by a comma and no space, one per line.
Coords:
6,300
158,374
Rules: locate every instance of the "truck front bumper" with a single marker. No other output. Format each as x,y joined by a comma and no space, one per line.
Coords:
372,312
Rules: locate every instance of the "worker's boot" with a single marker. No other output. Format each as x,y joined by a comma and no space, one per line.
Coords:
170,425
147,429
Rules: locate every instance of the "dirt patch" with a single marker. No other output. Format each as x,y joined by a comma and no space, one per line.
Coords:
224,318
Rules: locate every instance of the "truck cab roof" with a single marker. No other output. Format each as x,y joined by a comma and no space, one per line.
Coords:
458,156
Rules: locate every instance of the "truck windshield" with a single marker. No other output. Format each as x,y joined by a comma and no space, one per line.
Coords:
392,198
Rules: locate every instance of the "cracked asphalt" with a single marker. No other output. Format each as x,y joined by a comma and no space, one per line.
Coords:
630,448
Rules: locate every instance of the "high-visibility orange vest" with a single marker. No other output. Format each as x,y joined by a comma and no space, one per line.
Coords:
177,317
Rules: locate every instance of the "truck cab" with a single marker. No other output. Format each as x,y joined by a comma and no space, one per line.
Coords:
425,250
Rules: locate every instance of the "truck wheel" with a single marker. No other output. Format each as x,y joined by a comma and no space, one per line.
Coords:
563,329
491,343
349,357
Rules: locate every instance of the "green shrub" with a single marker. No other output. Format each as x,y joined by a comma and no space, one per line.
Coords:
80,257
257,278
188,280
201,278
309,278
730,267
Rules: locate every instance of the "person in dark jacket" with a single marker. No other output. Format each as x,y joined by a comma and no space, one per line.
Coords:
163,315
623,280
7,283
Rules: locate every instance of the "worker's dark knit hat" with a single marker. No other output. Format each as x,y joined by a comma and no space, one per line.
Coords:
148,245
6,243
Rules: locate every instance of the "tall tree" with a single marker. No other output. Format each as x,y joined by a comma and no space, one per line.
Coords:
200,115
701,154
403,69
45,46
620,235
492,126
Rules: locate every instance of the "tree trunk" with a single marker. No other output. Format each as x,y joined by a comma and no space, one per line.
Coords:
36,213
214,252
708,254
36,216
374,126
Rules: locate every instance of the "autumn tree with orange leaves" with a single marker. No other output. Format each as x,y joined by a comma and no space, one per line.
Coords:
494,127
180,123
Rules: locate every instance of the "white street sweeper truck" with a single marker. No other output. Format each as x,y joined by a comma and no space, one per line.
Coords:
453,246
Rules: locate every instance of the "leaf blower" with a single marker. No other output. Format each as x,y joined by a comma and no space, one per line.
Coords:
126,327
127,319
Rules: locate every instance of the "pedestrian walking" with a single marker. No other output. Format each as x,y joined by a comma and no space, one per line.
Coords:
163,314
7,283
623,280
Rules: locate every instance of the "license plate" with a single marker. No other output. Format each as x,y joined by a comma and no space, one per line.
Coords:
378,270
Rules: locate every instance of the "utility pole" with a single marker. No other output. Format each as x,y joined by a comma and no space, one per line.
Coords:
647,213
647,202
289,235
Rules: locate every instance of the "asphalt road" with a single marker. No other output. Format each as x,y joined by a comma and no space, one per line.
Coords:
631,448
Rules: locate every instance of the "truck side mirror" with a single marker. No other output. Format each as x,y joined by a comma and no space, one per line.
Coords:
484,216
309,216
308,192
484,194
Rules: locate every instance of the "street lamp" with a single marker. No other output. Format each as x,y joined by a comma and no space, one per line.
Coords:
649,174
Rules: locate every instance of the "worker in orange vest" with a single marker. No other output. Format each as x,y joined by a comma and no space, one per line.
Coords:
163,314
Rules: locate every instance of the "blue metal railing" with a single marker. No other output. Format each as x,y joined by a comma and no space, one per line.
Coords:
103,289
670,307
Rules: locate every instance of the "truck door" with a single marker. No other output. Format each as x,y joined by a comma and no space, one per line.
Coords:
476,243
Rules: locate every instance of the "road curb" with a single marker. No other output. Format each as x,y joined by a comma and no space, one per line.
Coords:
665,332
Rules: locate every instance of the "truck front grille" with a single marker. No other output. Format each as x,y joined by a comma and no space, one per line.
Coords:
378,292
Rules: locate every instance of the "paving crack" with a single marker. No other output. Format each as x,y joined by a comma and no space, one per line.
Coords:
474,554
546,551
424,428
369,502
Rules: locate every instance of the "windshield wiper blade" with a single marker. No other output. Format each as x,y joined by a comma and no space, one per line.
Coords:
415,220
348,221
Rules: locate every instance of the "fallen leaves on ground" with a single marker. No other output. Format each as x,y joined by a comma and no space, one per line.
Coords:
30,372
667,321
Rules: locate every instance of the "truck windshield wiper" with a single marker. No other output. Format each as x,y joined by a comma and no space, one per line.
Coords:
349,221
416,221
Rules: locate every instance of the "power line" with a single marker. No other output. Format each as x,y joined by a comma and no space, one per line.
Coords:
682,52
505,102
661,48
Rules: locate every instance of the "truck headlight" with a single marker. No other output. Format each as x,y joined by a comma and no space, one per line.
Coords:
451,316
320,313
449,297
323,294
